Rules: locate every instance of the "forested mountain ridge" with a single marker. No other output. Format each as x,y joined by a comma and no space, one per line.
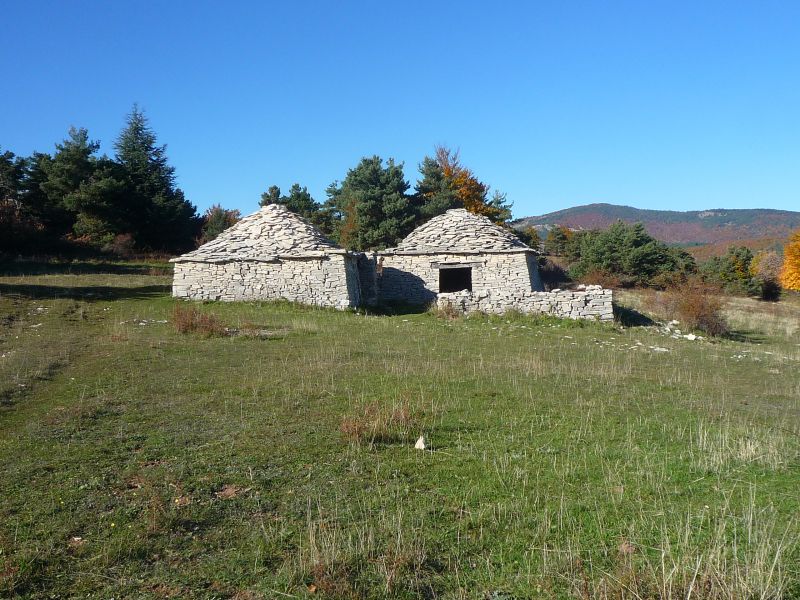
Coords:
677,227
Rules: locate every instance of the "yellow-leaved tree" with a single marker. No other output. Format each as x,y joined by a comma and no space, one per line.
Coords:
790,272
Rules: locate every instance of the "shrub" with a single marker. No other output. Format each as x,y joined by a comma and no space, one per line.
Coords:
552,274
667,280
696,305
601,277
191,320
626,251
121,245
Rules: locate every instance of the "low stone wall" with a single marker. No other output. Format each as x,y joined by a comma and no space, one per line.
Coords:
591,302
328,281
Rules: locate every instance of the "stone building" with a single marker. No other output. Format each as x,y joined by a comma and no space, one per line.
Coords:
454,252
457,259
468,263
268,255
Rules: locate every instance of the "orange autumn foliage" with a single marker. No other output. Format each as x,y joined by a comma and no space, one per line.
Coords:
470,191
790,272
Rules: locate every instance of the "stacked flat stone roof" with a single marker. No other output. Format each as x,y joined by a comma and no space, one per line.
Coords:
271,233
461,232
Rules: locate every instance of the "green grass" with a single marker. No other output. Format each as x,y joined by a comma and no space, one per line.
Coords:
565,459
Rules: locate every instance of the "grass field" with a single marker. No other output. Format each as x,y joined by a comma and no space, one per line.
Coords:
565,460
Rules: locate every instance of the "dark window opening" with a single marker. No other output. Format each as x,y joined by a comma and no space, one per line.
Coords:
455,280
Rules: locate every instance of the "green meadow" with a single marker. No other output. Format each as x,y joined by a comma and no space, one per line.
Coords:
277,460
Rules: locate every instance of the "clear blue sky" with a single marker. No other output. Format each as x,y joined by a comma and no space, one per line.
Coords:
673,105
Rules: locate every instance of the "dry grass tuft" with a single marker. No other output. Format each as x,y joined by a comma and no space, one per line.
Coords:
446,310
378,424
191,320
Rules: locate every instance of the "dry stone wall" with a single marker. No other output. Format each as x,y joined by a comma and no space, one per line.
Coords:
414,278
330,281
589,302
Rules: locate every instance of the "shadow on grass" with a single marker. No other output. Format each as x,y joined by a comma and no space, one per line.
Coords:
631,318
390,309
745,335
52,292
82,268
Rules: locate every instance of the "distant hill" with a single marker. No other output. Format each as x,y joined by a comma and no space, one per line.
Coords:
686,228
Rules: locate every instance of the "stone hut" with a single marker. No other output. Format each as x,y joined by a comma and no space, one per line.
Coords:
268,255
454,252
468,263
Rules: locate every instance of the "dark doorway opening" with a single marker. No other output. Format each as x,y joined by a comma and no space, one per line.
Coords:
455,279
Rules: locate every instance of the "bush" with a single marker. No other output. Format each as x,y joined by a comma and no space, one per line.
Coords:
122,245
552,274
601,277
696,305
626,251
191,320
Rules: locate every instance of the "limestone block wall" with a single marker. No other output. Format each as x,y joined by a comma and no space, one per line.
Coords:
414,278
591,302
322,281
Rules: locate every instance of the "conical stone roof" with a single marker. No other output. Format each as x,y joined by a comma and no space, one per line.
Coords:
459,231
270,233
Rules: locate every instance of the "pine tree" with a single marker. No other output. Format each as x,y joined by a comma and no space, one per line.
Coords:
271,196
446,184
11,181
371,209
160,216
216,220
434,192
299,200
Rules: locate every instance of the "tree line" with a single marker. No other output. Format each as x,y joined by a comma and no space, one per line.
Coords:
73,196
625,255
374,206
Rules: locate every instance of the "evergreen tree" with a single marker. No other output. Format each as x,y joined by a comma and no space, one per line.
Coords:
271,196
370,209
629,252
434,192
530,236
160,216
556,241
732,271
11,173
11,182
216,220
299,200
73,163
102,205
446,184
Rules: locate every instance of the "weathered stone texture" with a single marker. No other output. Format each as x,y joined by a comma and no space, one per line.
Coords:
459,230
591,302
332,281
274,254
414,278
268,255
